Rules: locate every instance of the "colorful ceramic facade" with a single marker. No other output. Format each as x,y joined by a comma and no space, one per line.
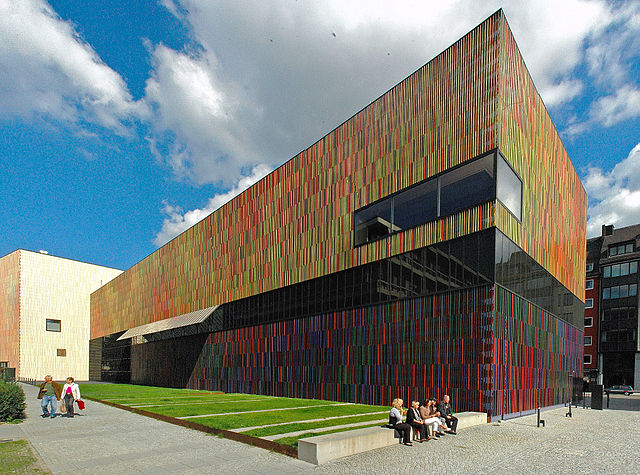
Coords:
296,229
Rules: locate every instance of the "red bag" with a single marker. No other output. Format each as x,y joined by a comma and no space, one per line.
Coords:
80,404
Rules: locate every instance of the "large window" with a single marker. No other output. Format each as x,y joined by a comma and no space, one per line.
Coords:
587,359
588,321
587,341
589,284
468,185
53,325
588,303
589,266
509,188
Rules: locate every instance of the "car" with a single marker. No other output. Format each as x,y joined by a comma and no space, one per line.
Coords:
620,389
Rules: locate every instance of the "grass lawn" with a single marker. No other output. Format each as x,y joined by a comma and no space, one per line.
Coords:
293,415
297,426
231,411
18,457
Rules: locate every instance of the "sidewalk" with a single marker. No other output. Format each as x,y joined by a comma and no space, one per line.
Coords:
109,440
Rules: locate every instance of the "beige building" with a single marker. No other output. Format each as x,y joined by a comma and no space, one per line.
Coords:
44,313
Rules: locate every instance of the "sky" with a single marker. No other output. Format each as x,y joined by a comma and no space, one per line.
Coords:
124,123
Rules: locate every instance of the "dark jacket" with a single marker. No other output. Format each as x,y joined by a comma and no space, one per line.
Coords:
56,387
445,409
411,416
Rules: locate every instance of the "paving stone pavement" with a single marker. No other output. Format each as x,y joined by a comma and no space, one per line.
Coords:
589,442
110,440
113,441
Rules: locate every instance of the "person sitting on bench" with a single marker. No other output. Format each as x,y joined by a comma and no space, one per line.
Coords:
445,411
415,421
436,425
395,421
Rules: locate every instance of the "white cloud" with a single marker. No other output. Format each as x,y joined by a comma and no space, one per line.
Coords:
201,116
614,195
48,71
178,221
270,78
623,104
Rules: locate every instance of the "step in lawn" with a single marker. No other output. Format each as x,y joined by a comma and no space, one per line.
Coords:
266,416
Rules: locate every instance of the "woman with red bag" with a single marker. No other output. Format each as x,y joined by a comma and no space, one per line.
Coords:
70,393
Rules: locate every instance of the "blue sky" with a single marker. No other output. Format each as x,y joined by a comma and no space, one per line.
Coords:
123,123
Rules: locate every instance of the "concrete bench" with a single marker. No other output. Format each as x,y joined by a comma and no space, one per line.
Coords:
324,448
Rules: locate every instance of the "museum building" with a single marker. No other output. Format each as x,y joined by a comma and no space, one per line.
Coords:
434,242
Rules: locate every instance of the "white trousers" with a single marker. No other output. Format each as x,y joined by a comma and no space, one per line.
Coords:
433,423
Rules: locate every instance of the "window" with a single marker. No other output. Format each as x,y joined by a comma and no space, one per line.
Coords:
620,291
509,188
624,268
589,284
416,205
587,340
589,266
588,303
587,359
53,325
615,270
373,222
61,352
4,364
466,186
588,321
619,249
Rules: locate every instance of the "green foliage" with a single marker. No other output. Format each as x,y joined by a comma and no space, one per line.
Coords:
12,402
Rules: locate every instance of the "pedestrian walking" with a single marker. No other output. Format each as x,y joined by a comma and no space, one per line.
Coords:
71,393
50,393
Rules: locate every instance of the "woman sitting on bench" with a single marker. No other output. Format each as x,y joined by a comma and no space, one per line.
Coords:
395,421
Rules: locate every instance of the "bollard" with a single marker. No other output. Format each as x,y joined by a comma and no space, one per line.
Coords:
540,421
608,395
568,414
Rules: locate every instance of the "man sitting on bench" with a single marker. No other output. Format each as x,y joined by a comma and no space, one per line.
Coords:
445,411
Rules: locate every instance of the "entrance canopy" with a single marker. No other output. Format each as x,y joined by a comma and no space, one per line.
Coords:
186,319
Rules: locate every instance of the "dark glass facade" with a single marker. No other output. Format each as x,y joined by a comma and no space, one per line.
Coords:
474,260
519,273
